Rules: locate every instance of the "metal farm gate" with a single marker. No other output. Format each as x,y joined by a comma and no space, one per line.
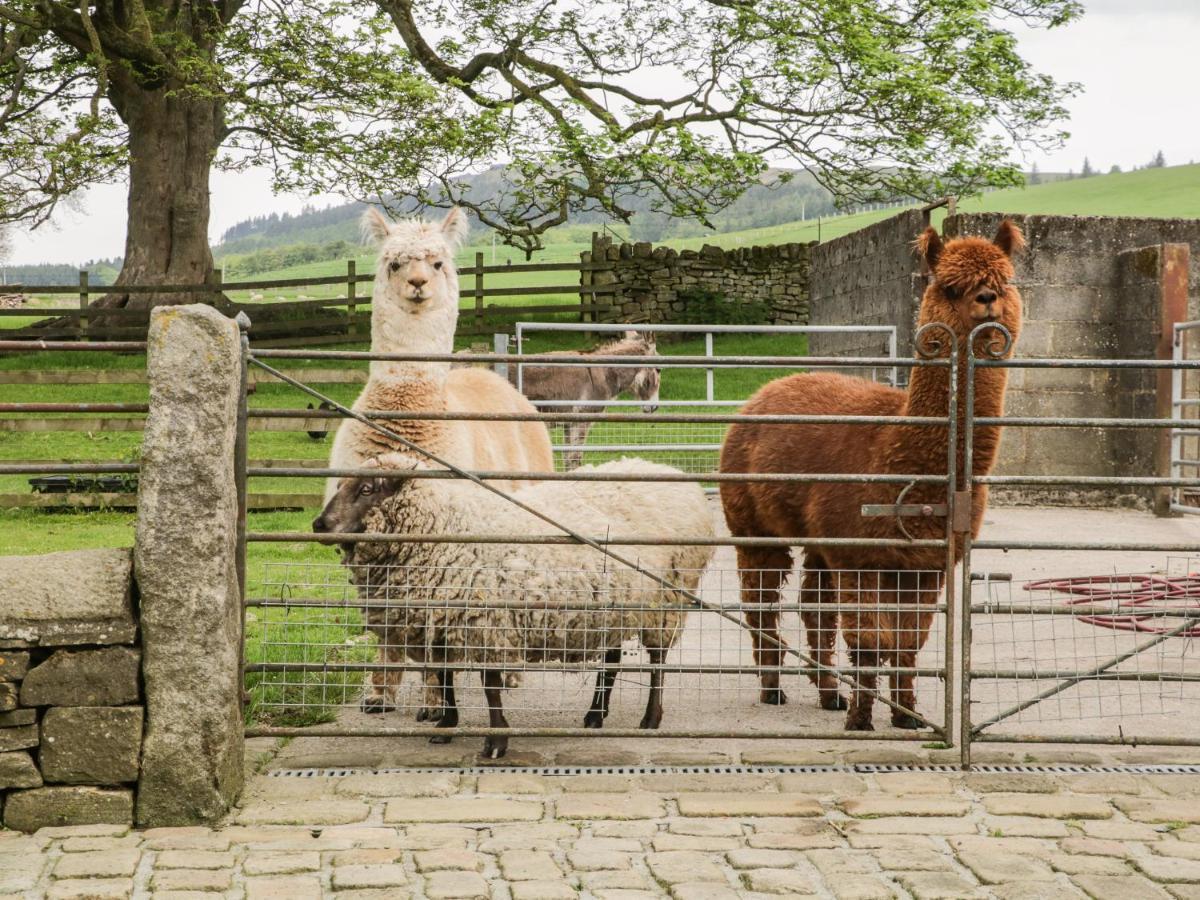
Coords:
1105,659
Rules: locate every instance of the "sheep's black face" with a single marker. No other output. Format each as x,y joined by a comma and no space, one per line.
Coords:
347,510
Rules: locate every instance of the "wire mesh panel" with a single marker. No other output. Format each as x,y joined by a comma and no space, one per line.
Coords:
1110,655
330,652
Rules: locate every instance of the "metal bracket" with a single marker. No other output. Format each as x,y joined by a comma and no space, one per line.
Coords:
904,509
962,511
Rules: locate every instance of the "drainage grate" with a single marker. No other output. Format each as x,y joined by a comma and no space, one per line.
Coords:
862,768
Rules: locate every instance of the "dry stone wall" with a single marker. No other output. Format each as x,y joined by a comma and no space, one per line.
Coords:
71,704
652,283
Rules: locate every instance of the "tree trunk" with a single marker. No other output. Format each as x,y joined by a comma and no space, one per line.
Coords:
172,142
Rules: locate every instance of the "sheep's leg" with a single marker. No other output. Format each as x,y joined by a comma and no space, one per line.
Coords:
604,684
494,747
449,717
822,631
654,710
862,700
763,572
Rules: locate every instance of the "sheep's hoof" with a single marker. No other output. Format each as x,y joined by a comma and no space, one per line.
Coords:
834,702
904,720
440,739
773,696
593,719
494,748
429,714
376,706
859,724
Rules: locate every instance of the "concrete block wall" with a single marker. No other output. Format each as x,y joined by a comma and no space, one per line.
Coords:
650,280
71,701
1092,289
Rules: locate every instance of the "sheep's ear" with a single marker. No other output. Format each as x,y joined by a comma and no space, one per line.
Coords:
370,463
455,226
929,247
631,335
1009,238
375,226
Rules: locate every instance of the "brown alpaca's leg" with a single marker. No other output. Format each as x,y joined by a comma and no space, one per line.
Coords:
816,587
862,700
763,572
909,636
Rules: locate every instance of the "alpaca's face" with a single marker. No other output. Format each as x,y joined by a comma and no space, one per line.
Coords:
972,280
416,261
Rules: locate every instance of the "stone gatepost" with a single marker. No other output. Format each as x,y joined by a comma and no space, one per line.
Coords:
185,566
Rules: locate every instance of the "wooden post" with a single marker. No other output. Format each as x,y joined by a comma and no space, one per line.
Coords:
351,306
586,295
479,289
83,305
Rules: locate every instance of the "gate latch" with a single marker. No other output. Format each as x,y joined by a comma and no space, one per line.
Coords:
904,509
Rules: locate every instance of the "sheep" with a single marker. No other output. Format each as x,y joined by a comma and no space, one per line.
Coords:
499,637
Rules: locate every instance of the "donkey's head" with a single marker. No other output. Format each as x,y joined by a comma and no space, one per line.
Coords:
416,284
646,382
972,280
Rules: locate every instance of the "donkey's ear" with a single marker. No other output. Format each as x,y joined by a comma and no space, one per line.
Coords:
375,226
928,246
455,226
1009,238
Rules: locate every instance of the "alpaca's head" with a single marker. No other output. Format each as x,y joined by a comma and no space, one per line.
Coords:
972,280
415,303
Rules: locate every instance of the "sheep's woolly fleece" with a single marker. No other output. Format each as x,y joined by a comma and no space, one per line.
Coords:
480,574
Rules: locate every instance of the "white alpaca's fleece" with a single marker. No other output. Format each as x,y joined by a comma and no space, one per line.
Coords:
411,574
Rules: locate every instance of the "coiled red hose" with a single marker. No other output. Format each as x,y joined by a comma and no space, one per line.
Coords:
1161,596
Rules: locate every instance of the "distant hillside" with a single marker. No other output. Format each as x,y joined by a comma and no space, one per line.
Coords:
100,271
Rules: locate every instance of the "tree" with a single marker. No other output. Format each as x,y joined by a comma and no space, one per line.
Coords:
1159,161
587,105
1115,170
1087,171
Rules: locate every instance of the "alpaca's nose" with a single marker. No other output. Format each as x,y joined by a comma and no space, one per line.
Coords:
417,281
987,298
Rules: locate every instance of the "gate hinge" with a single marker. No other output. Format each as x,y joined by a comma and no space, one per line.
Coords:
904,509
962,511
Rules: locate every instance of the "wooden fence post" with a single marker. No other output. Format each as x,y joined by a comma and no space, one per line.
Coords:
586,295
351,308
479,290
83,305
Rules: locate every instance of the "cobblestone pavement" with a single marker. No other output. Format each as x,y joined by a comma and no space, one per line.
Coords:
846,834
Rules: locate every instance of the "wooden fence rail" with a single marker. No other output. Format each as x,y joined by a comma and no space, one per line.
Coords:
308,322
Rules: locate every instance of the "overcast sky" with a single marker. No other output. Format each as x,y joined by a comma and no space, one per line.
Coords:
1136,59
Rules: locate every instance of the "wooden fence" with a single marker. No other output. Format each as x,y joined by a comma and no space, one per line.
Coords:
341,319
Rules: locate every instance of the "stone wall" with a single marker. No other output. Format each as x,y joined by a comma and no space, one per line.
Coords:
71,701
120,683
652,282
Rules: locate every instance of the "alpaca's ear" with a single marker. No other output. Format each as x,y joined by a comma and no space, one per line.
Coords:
455,226
375,226
929,247
1009,238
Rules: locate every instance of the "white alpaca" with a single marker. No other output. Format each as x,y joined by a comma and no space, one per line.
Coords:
414,309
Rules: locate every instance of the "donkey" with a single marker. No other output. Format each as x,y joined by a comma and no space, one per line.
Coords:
591,383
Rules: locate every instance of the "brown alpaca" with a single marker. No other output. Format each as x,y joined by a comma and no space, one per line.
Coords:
971,285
